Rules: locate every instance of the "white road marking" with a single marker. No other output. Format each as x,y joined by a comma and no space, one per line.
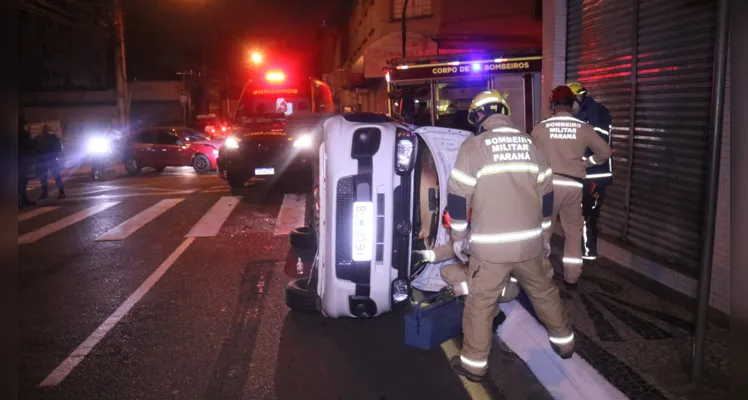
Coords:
37,234
157,189
127,228
99,190
123,195
67,365
291,214
475,390
34,213
211,222
567,379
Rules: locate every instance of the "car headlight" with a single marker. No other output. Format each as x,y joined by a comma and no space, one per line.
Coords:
232,143
400,290
98,145
303,141
215,152
405,151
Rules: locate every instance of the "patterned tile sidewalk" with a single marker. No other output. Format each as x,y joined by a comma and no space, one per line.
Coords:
639,335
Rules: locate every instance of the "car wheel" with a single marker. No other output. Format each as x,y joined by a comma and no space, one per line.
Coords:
201,164
132,167
302,238
159,169
301,296
235,180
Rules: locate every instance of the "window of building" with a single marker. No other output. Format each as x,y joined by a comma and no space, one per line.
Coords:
416,8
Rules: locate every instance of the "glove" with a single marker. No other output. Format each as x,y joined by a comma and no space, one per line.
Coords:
462,250
547,249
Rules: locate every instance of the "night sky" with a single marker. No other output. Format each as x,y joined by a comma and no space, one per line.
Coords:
169,35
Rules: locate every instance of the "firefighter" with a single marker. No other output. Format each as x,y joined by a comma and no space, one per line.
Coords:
565,140
501,174
599,176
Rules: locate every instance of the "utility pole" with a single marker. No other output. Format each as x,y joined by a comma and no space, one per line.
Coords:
120,68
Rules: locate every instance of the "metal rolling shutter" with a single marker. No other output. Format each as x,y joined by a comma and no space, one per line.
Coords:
660,208
599,46
673,96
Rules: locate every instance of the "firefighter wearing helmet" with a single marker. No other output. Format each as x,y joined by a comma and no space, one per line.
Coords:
598,176
566,139
500,175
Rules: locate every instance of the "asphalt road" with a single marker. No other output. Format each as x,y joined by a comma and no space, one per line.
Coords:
153,314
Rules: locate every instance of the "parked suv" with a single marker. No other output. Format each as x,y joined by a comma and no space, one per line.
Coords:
163,147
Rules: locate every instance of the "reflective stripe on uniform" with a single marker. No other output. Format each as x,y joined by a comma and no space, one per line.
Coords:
506,237
571,260
505,129
561,340
463,177
458,226
508,167
592,160
474,364
547,224
429,255
603,175
543,175
603,131
589,257
560,182
513,279
464,287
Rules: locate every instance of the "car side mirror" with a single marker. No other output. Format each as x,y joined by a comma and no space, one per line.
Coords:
433,200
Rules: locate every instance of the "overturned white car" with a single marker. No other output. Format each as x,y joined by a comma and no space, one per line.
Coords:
380,193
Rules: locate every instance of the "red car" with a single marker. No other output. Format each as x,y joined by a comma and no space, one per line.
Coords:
163,147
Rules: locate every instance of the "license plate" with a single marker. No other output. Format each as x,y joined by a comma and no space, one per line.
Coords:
363,230
264,171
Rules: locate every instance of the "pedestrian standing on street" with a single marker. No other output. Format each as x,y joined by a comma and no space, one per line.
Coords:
505,179
25,162
598,176
49,152
565,140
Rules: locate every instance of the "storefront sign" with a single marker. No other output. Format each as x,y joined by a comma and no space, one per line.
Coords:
465,69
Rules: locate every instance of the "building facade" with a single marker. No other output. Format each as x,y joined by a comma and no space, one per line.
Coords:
372,37
651,63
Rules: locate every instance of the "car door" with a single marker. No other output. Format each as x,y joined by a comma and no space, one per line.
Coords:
169,149
142,147
443,144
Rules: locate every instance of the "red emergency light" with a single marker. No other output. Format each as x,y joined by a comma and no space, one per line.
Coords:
275,76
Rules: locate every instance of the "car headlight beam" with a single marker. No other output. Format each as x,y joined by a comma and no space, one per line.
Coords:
303,142
232,143
98,145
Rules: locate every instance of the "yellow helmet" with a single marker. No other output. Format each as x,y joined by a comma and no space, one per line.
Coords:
577,88
487,103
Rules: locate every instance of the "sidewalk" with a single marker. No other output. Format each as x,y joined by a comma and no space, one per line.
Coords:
639,334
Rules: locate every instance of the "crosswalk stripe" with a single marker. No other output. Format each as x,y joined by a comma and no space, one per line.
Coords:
291,214
127,228
34,213
124,195
211,222
37,234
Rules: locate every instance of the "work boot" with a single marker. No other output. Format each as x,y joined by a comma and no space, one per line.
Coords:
498,320
588,263
565,350
61,194
456,365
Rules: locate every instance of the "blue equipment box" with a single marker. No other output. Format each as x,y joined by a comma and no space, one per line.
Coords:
428,327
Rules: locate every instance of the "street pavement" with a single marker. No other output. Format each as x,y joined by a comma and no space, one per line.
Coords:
170,286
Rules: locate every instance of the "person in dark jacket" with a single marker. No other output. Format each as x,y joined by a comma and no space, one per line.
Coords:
599,176
49,151
25,161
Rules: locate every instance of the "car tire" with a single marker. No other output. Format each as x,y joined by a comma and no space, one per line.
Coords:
201,164
235,181
300,296
302,238
132,167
